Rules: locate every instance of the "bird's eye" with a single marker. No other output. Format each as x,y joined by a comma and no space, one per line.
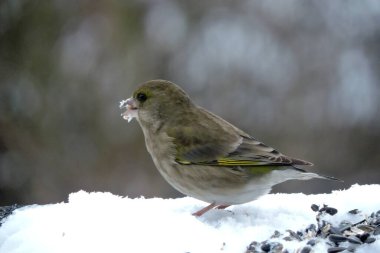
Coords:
141,97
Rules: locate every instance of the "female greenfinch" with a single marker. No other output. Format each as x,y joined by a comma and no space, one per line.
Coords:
203,156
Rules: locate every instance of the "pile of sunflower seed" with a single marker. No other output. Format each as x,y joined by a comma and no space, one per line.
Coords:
5,211
347,236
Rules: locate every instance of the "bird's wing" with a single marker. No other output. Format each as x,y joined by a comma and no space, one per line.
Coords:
249,153
254,153
197,144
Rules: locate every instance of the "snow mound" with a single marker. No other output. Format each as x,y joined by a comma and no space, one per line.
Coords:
102,222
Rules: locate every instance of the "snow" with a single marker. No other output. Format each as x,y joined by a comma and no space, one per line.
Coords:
103,222
130,113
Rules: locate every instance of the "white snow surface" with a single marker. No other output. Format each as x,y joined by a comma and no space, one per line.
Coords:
103,222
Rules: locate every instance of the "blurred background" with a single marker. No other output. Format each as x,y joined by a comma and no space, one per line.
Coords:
301,76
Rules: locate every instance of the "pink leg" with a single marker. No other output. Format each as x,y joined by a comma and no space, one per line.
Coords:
222,206
204,210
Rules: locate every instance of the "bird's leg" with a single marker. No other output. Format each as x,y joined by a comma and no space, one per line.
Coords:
204,210
222,206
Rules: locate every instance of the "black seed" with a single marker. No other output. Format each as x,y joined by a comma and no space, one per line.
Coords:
306,249
314,207
324,209
252,250
363,237
265,247
276,234
331,210
7,210
337,238
370,240
294,234
311,242
354,239
354,211
252,246
335,249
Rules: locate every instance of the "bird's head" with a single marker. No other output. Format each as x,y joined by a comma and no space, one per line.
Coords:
155,101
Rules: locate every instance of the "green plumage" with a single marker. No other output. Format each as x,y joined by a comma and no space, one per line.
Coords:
202,155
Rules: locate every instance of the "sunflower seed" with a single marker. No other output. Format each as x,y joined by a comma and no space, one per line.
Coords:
306,249
370,240
357,230
366,228
335,249
329,210
354,239
276,234
337,238
314,207
354,211
312,242
265,247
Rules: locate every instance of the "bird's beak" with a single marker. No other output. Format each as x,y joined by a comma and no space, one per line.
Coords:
131,105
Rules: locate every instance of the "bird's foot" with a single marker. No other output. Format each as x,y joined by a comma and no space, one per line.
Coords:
222,206
208,208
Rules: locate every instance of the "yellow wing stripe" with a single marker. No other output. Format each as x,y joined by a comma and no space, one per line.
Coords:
225,162
230,162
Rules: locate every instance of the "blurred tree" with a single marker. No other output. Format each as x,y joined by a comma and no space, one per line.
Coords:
300,76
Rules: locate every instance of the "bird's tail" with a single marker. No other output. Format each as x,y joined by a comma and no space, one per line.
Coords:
309,175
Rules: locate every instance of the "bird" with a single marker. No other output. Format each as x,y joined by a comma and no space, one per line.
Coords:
202,155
